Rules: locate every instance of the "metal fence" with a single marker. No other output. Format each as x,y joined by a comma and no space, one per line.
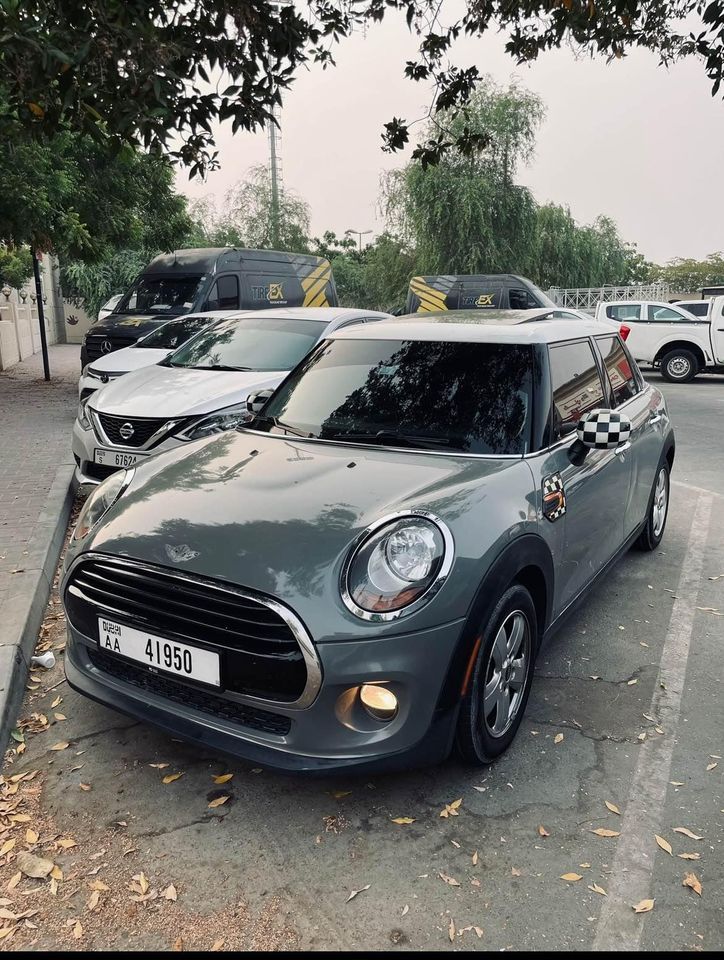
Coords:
586,298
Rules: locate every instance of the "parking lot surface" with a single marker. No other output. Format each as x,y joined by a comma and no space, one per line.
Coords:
154,846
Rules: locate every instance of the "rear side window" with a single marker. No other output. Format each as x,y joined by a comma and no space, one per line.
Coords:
576,385
624,312
699,309
665,315
619,370
521,300
224,294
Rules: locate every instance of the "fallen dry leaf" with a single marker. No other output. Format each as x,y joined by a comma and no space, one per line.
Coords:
170,893
140,884
710,766
56,873
475,859
514,872
692,882
85,786
60,716
217,945
218,802
571,877
405,910
603,832
63,745
632,682
98,885
170,777
159,766
178,945
449,880
558,738
77,930
451,809
66,843
596,889
224,778
355,893
542,832
32,866
31,836
643,906
664,844
612,807
339,794
403,820
451,930
7,847
689,856
687,833
14,881
676,783
93,900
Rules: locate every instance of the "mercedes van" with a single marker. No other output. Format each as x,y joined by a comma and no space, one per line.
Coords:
497,291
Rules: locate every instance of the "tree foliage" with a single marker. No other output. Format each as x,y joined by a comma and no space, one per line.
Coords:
141,70
16,266
690,275
93,283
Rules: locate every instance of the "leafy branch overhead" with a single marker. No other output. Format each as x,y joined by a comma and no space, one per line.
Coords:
160,73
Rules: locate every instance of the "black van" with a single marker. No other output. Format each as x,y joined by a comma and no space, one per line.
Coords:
211,278
499,291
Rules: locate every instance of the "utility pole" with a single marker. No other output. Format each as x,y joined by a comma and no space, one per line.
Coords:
41,313
275,177
359,234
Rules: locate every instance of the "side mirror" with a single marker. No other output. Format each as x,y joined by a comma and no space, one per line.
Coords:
255,401
599,430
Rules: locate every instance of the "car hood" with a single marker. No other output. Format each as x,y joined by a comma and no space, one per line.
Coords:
127,359
278,515
180,391
128,324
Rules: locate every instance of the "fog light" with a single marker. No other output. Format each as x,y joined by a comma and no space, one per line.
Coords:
381,703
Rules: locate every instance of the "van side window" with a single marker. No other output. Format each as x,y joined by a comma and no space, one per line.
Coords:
521,299
575,383
625,312
224,294
619,370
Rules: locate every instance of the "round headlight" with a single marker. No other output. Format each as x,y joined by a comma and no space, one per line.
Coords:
100,502
396,566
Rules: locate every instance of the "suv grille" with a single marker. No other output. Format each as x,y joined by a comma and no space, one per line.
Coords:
94,344
143,429
188,696
260,655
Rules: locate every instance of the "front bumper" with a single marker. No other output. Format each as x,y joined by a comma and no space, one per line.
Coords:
328,734
85,443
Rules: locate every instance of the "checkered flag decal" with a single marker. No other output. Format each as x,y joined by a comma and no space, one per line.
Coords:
554,497
603,429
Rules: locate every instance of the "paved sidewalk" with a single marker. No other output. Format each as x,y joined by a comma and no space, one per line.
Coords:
36,470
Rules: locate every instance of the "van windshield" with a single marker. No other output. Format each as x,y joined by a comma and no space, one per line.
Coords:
171,295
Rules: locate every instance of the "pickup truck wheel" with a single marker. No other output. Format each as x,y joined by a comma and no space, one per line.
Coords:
679,366
500,680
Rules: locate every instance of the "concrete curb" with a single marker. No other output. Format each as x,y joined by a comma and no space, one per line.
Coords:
23,611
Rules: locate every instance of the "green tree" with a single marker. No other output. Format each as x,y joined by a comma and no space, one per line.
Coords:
688,274
139,70
16,265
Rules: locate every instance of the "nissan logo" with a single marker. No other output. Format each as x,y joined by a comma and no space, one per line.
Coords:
126,431
106,347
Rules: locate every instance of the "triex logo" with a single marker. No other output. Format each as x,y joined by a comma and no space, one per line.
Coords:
271,292
484,300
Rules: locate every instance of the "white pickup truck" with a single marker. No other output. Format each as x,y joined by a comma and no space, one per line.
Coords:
668,336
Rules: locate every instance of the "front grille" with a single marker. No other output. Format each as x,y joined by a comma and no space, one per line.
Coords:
189,696
94,345
143,429
260,655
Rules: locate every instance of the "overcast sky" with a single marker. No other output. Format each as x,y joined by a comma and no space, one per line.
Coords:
631,139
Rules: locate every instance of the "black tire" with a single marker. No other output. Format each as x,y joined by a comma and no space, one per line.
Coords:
653,532
474,739
679,365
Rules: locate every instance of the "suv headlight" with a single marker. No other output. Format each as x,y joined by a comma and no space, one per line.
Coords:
83,418
100,502
226,419
397,565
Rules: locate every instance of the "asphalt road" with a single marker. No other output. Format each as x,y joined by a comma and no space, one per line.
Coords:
627,707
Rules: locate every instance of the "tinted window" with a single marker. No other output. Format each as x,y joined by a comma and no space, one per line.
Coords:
250,343
471,397
224,294
174,333
666,314
161,295
699,309
625,312
521,300
620,372
576,385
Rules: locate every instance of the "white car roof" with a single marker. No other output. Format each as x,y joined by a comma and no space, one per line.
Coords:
325,314
494,326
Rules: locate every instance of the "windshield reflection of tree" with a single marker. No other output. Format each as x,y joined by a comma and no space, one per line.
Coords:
471,393
206,350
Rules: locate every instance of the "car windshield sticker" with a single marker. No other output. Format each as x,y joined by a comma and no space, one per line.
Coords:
554,497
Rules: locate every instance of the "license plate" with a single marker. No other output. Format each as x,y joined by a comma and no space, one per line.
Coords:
112,458
157,653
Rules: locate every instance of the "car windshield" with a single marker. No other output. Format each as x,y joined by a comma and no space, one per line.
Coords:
172,295
171,335
250,343
463,397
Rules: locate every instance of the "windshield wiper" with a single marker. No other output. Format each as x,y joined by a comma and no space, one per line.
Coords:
217,366
390,438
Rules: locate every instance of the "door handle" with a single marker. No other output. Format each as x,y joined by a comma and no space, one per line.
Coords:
654,417
622,448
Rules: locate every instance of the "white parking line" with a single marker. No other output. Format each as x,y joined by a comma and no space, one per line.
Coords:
630,881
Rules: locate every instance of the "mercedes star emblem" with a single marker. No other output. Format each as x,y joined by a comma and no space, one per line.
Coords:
106,346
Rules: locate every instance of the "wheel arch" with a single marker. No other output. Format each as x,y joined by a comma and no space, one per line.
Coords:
528,561
679,344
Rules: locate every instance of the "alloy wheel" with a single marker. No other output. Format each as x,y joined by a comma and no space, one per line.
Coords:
661,503
506,674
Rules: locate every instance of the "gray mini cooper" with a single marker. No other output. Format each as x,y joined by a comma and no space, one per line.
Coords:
364,574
